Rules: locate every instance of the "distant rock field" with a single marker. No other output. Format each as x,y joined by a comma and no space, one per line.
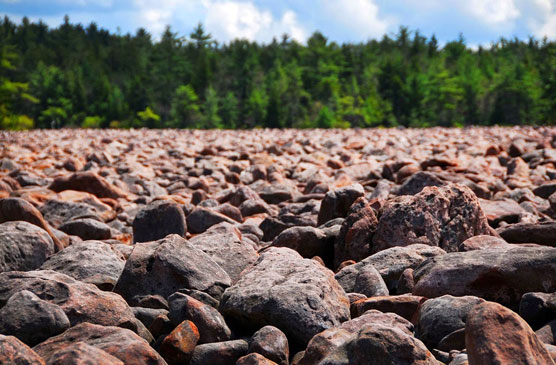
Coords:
301,247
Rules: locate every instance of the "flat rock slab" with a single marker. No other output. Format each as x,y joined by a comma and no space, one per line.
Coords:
497,275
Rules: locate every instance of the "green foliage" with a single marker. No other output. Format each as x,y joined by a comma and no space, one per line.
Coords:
85,76
185,109
92,122
148,118
12,93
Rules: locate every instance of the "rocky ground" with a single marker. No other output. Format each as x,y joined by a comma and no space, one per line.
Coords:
278,247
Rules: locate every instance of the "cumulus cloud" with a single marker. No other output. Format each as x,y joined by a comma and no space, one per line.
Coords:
493,11
542,21
225,20
361,16
228,20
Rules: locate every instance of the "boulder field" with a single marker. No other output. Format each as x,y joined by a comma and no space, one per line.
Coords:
302,247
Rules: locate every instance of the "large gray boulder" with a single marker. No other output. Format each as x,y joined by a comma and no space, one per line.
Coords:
224,244
299,296
163,267
92,262
31,319
23,246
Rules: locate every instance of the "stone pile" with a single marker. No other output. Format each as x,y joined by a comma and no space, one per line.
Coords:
302,247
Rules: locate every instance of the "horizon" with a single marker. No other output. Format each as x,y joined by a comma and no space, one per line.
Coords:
343,21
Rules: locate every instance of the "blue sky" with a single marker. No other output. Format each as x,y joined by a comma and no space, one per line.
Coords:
480,21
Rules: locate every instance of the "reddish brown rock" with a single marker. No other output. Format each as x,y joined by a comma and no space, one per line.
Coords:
496,335
79,353
354,240
254,359
210,324
405,306
13,351
498,275
437,216
178,346
15,209
118,342
482,242
81,302
89,182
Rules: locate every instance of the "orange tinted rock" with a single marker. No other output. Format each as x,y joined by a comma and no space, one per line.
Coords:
13,351
178,346
496,335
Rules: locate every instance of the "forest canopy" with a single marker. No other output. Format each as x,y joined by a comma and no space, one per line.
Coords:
85,76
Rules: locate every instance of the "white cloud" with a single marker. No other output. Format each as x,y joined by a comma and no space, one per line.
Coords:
358,15
225,20
228,20
493,12
542,18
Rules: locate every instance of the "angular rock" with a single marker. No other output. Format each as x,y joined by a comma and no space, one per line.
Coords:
271,343
297,295
210,324
86,229
158,220
163,267
307,241
13,351
496,335
201,219
506,210
336,203
543,233
538,308
497,275
355,237
16,209
79,353
80,301
57,212
390,263
405,306
418,181
89,182
31,319
23,246
547,333
254,359
178,346
118,342
224,244
91,262
224,353
437,216
367,281
373,342
439,317
482,242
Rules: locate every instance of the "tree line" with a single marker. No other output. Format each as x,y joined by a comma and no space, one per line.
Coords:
77,76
